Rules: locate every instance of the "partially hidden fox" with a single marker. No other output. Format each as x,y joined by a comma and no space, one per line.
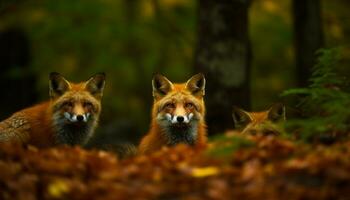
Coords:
177,115
265,122
69,117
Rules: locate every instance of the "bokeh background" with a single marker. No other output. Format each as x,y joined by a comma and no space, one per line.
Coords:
131,40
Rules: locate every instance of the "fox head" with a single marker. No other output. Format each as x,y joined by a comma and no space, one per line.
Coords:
76,107
179,108
265,122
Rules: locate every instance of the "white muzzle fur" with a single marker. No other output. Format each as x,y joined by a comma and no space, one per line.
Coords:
173,119
73,117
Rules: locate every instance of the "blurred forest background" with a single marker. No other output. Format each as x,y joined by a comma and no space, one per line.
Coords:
250,51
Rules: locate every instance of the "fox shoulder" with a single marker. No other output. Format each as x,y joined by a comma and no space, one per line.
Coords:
15,128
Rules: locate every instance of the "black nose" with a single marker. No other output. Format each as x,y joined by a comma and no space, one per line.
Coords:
180,119
80,118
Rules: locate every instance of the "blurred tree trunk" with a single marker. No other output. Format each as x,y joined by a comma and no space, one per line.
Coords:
308,36
17,82
223,54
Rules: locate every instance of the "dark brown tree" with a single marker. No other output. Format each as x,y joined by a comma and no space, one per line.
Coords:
18,83
308,36
223,54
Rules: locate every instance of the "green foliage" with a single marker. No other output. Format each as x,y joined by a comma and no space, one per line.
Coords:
325,102
270,25
225,145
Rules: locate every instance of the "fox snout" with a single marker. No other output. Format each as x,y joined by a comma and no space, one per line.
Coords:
77,117
174,119
77,112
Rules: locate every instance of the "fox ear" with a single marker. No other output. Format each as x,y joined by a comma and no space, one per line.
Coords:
277,112
240,117
96,84
58,85
196,84
161,86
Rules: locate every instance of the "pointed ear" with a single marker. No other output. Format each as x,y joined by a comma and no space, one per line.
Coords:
58,85
240,117
96,84
196,84
161,86
277,112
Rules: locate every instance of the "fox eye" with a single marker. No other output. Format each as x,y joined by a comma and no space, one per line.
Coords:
169,105
87,104
189,105
68,104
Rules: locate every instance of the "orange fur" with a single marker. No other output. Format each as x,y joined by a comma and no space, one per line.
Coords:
42,124
179,95
265,122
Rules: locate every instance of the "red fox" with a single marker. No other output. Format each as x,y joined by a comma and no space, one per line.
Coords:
177,114
265,122
70,117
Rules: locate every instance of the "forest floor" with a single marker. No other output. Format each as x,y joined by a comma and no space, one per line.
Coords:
256,167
